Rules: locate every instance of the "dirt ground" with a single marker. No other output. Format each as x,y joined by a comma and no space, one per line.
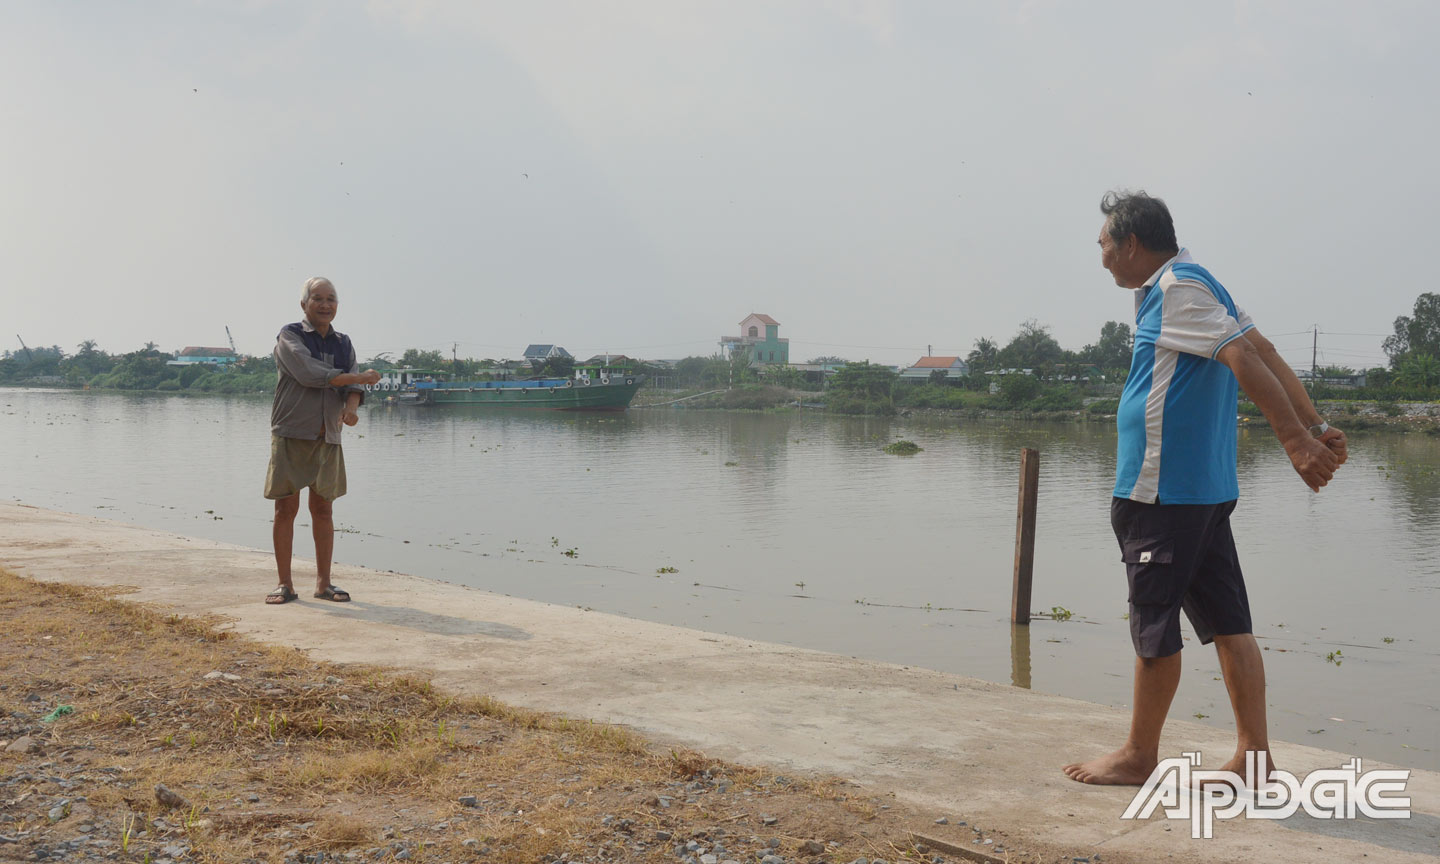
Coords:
129,734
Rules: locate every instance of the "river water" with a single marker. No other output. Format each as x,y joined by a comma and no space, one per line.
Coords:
796,528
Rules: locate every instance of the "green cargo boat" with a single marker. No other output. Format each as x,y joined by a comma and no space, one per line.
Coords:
603,384
605,393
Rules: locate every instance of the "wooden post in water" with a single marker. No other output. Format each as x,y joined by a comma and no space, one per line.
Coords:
1025,536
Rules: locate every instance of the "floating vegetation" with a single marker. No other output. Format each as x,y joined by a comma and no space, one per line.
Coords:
903,448
1388,640
731,464
660,570
1060,613
1337,657
572,552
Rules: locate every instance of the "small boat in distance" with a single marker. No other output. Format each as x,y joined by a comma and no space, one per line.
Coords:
590,389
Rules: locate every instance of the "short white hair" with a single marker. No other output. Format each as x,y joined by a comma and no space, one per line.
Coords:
315,282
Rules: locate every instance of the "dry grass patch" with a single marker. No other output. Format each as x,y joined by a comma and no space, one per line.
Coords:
279,757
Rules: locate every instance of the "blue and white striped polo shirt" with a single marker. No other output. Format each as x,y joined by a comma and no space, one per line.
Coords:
1177,415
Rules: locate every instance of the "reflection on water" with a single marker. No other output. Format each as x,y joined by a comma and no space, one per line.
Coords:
796,528
1020,655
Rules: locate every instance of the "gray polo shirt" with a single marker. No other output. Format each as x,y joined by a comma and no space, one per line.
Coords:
306,406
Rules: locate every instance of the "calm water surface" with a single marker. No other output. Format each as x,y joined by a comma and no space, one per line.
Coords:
795,528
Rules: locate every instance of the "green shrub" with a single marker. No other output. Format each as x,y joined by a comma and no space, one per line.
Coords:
1057,399
190,374
940,396
1104,406
1249,409
1017,388
235,382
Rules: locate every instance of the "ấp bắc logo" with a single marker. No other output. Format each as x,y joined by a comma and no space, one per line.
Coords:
1184,791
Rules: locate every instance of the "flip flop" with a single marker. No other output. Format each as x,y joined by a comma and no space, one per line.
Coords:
281,594
331,592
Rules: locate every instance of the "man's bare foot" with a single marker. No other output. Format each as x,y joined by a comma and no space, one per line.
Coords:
1121,768
1236,766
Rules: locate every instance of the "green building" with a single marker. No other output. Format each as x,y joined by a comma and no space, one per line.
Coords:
760,339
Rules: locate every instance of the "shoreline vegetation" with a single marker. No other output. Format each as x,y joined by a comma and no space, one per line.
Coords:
1054,404
1352,415
1031,379
130,734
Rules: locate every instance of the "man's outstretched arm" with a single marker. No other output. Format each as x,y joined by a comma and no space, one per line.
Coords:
1295,392
1313,461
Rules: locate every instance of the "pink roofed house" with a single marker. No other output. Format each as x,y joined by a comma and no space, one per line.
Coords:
760,338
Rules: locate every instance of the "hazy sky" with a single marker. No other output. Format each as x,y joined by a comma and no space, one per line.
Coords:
878,176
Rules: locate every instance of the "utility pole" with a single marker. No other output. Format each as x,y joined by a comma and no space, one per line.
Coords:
1314,350
455,356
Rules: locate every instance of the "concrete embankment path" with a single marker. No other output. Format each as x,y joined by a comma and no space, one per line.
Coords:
970,750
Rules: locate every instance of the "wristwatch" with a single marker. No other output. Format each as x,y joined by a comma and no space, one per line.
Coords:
1319,429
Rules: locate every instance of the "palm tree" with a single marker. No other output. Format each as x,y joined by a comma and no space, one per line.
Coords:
984,355
1418,370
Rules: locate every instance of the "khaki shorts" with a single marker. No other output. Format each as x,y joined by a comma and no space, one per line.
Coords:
296,463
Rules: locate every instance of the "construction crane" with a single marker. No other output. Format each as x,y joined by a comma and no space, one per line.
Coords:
232,340
30,357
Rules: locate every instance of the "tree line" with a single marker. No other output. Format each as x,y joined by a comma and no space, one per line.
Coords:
1413,350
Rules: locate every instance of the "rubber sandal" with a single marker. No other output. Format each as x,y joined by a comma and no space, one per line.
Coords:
281,595
330,592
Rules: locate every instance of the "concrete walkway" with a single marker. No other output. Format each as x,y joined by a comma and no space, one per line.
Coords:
967,749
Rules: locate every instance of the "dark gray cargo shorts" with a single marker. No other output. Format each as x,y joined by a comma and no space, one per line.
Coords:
1179,556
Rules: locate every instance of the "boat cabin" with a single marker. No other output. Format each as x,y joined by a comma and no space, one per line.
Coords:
602,366
393,380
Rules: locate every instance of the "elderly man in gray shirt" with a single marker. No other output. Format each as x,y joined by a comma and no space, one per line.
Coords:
319,388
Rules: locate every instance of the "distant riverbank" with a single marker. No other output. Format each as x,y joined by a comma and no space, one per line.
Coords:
1351,415
1354,416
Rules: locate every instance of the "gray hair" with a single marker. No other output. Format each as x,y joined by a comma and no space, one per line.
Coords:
315,282
1136,213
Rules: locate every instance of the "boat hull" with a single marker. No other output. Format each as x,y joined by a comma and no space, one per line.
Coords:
514,395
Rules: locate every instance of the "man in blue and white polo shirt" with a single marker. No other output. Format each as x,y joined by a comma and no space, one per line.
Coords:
1175,485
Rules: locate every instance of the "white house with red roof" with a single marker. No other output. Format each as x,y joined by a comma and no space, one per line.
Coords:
953,367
